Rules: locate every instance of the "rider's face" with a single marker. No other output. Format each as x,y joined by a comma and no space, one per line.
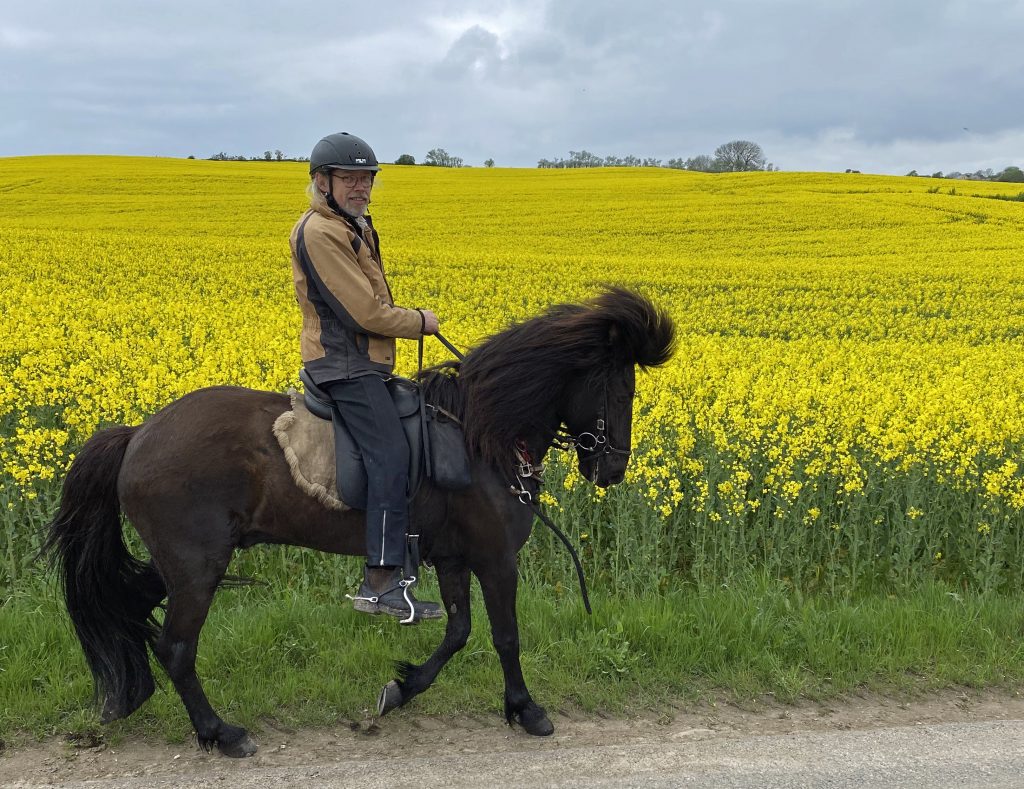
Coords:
351,188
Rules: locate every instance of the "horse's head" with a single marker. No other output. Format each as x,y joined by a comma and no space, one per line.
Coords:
575,365
598,413
598,407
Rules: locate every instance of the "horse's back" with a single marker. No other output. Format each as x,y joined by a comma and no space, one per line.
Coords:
208,465
205,423
204,452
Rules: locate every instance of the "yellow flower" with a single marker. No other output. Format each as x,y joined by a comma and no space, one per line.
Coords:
547,499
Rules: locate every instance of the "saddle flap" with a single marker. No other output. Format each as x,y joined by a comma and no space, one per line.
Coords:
317,401
405,394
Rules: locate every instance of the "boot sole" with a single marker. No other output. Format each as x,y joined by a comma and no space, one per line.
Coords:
376,609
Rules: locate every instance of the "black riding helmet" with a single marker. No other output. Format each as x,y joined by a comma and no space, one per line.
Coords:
342,151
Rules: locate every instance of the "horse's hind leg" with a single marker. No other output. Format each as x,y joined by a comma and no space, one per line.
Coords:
499,582
188,603
454,582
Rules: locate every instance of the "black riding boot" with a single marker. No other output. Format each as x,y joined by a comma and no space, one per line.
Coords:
386,590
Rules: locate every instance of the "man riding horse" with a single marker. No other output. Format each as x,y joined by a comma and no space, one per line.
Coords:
349,326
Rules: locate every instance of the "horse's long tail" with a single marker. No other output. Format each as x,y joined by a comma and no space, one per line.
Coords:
110,595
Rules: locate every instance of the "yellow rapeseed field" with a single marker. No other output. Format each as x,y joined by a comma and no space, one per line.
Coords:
850,352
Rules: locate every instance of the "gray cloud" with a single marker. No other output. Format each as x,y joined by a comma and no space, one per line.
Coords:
881,86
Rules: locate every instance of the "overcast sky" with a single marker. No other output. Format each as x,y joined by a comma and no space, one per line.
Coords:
881,86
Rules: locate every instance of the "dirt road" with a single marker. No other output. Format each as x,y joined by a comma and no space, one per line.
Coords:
954,738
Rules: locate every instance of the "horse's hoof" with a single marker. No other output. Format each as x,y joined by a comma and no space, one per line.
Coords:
535,721
240,748
390,698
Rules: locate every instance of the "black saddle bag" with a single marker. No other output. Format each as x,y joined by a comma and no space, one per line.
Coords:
448,464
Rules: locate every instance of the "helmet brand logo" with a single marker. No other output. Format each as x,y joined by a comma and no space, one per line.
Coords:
360,161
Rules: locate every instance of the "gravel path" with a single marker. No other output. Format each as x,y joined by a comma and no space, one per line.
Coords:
950,739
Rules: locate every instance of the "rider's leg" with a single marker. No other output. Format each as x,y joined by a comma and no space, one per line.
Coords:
370,416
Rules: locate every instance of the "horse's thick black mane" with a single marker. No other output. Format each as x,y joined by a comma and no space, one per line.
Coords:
505,384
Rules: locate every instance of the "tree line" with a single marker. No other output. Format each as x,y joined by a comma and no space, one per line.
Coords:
731,157
267,156
1010,174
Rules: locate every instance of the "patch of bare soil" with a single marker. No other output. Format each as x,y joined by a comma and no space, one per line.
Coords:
407,735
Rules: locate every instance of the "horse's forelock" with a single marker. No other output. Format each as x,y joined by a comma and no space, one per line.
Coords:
641,334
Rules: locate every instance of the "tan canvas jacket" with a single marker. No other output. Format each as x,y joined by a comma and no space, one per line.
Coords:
349,320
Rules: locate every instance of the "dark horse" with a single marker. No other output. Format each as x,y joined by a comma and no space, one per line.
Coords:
205,476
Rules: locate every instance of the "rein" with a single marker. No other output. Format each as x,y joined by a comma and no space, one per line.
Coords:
563,441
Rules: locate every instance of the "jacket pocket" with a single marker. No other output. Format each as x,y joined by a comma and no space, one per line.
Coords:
382,350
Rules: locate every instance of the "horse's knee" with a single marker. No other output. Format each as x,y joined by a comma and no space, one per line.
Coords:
177,657
505,642
458,634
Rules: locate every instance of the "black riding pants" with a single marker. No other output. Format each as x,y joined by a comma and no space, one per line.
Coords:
370,416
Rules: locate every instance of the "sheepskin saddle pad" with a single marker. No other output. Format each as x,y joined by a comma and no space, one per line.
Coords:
325,461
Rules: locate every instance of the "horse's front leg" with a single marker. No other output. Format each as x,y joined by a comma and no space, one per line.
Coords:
499,582
453,578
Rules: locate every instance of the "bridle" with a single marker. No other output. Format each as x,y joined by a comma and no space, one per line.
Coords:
592,445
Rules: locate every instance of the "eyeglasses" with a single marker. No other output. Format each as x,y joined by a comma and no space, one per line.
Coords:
350,179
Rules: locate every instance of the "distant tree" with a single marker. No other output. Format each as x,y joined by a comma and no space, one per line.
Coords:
278,155
912,174
439,157
701,164
651,162
489,163
584,159
676,164
190,156
937,175
1011,175
739,156
268,156
406,158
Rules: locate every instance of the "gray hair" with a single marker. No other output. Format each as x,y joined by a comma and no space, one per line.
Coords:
316,198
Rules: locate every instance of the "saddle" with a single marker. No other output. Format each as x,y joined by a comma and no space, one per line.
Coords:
436,446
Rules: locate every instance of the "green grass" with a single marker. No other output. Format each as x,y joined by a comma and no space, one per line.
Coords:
301,656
